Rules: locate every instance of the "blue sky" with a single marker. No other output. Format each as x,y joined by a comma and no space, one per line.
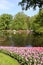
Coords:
11,7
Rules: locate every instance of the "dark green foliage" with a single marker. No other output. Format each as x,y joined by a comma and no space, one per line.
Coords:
5,52
5,20
38,22
31,3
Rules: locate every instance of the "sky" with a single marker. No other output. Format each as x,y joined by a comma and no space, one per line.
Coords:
11,7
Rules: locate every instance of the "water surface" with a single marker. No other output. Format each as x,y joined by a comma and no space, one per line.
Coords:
23,39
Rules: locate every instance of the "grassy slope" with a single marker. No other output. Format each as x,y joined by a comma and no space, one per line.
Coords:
7,60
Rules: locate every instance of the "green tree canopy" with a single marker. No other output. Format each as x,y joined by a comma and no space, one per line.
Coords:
38,22
31,3
20,21
5,20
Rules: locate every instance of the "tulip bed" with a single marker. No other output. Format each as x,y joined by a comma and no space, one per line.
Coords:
25,55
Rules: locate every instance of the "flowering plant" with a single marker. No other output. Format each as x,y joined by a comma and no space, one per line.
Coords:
27,56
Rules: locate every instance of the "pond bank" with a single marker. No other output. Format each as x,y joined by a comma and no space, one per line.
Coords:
18,31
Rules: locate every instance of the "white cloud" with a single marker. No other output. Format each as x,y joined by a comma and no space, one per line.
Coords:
6,5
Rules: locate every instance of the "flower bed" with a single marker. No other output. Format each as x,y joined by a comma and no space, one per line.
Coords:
27,56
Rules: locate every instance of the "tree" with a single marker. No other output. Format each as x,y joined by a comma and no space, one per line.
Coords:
38,22
5,20
19,22
31,3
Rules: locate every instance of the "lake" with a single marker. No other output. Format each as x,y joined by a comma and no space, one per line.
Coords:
20,39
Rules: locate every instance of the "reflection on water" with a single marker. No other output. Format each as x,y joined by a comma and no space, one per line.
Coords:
23,39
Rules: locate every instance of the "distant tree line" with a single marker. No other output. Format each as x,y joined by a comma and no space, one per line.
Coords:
19,21
22,22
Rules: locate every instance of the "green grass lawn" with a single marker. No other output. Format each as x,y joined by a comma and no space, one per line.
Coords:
7,60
